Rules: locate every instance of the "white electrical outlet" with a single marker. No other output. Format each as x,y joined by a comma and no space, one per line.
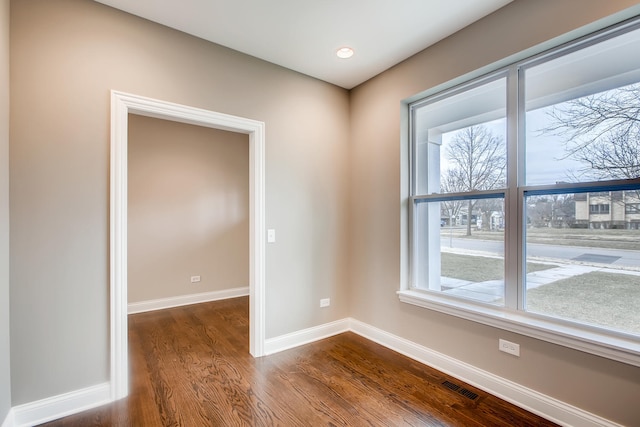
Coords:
325,302
509,347
195,279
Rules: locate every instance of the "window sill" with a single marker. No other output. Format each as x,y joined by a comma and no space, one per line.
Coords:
619,347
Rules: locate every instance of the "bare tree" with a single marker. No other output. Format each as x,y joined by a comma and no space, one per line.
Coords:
477,161
602,131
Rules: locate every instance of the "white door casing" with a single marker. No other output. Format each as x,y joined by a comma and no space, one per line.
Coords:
122,104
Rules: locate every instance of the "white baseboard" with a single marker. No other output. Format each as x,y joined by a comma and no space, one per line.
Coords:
159,304
55,407
552,409
531,400
8,421
523,397
295,339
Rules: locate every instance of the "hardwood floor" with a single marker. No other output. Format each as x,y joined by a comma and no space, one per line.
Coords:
190,366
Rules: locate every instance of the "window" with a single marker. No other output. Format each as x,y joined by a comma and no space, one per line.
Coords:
598,209
460,179
632,208
521,185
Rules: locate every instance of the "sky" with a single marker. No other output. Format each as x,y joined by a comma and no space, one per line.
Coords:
545,154
545,162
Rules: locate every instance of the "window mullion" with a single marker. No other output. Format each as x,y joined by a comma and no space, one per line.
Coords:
512,239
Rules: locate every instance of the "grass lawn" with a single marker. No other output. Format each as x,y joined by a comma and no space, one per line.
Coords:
479,268
605,299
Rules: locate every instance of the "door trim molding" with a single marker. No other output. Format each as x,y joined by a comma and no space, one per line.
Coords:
123,104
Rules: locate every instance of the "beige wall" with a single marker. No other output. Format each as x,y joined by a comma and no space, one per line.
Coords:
607,388
5,383
188,209
66,56
333,189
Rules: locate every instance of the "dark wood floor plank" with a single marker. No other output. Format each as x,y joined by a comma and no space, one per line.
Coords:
352,393
190,366
414,388
393,384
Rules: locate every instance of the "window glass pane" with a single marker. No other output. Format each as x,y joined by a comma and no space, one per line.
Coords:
463,254
583,114
589,244
632,208
460,141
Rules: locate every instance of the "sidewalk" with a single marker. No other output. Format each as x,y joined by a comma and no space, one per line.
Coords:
492,291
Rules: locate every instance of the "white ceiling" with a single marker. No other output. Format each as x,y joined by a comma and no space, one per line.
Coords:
303,35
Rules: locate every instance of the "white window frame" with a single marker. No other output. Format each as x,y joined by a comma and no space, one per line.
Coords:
512,317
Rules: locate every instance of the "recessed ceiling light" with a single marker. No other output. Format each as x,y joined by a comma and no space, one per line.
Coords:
344,52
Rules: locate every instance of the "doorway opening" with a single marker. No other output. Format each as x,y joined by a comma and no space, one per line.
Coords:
122,105
187,214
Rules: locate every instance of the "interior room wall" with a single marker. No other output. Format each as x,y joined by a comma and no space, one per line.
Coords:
5,378
188,209
66,56
601,386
